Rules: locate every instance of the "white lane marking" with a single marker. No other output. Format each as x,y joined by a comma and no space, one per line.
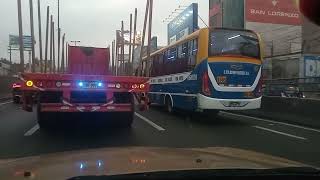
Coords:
279,132
159,128
32,130
6,103
273,122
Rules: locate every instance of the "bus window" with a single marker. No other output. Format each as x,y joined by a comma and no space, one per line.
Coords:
153,64
172,55
228,42
165,56
193,51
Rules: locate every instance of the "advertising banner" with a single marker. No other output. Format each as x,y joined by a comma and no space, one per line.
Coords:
185,23
14,41
215,15
272,11
312,66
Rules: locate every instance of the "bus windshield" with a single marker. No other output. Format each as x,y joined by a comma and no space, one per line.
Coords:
227,42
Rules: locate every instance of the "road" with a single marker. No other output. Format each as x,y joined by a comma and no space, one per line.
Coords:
20,135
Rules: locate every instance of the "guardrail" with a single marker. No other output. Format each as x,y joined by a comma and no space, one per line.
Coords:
6,84
293,110
309,86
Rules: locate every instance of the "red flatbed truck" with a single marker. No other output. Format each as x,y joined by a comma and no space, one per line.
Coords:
87,87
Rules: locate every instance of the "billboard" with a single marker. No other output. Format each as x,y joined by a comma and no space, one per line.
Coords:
184,24
312,66
14,41
215,15
272,11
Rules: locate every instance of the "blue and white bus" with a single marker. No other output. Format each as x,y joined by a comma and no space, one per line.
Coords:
210,69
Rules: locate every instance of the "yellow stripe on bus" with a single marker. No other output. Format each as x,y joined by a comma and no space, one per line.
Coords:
234,59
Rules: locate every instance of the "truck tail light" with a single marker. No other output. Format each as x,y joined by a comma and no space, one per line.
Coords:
16,85
205,84
29,83
118,85
142,86
135,86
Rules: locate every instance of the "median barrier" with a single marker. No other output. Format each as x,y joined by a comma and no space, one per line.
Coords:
6,84
292,110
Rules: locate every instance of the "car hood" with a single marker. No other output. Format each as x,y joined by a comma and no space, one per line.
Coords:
115,161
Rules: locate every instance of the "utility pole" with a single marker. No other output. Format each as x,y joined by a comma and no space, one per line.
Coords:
149,35
59,36
32,37
21,48
66,53
53,49
143,38
62,53
59,41
134,38
117,52
10,52
51,40
122,48
40,37
130,46
112,56
47,40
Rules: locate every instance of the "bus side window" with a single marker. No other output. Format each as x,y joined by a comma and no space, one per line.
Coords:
193,51
152,68
165,62
173,54
161,65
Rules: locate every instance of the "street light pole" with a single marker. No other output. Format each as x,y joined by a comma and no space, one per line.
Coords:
32,37
40,37
59,36
47,41
143,38
21,48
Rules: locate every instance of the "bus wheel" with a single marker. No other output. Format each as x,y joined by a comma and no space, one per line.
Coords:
169,107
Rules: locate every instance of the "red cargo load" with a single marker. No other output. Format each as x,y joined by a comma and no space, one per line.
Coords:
88,60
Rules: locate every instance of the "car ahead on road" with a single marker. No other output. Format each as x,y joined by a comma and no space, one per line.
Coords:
16,92
283,91
153,163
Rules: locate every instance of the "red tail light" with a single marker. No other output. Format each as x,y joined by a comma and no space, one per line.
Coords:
205,84
16,85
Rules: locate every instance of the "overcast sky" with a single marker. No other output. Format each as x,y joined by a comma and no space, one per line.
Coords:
92,21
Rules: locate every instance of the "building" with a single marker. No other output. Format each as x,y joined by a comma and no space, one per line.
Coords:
277,21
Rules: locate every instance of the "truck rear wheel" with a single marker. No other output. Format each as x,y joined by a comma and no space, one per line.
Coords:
125,120
16,100
44,119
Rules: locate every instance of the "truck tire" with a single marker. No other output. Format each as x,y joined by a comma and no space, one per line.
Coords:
43,118
16,100
125,120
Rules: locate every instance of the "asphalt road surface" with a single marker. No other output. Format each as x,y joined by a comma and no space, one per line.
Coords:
20,135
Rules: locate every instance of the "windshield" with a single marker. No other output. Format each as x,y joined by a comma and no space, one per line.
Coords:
226,42
100,87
